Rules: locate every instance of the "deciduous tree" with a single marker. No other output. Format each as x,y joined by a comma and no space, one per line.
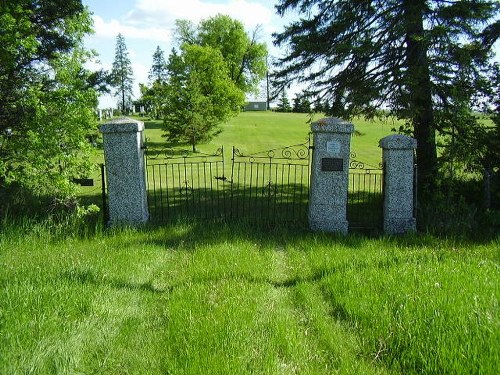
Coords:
198,95
243,54
47,98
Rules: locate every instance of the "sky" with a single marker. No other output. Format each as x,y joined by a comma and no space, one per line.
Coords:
146,24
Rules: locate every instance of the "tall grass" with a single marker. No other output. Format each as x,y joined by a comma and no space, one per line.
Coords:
213,298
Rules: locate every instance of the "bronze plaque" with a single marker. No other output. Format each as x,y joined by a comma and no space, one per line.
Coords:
332,165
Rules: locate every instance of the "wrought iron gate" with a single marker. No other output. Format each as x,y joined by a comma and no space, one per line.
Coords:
365,195
267,186
270,186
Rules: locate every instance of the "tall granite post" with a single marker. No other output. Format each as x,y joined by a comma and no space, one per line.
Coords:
397,156
124,158
330,175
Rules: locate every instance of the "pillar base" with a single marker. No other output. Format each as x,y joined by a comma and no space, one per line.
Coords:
400,225
326,223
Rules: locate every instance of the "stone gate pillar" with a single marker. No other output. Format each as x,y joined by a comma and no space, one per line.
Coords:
330,175
124,158
397,156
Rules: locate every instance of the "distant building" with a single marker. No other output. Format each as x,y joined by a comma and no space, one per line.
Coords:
255,106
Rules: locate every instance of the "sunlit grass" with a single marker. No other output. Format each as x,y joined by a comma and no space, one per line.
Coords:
237,299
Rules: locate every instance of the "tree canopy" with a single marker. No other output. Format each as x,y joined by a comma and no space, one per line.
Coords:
47,98
198,95
243,55
422,60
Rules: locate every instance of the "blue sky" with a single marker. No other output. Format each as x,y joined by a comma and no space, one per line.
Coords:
146,24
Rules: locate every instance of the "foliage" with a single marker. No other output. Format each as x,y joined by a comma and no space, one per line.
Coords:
243,55
301,103
159,71
146,98
47,98
199,95
122,74
152,95
426,61
283,103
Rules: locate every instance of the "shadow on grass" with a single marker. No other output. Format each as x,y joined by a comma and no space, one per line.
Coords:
90,277
153,124
193,234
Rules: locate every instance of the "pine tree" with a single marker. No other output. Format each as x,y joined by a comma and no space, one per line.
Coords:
301,103
420,58
158,77
158,72
284,103
122,74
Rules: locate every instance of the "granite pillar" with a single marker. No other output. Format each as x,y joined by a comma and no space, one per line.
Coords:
330,175
397,156
125,173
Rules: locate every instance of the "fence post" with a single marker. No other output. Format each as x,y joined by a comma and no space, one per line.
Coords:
125,173
330,175
397,156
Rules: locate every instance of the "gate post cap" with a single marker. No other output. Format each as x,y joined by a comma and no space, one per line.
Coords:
122,125
398,142
332,125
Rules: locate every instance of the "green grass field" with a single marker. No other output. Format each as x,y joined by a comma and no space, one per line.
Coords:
237,299
260,131
205,297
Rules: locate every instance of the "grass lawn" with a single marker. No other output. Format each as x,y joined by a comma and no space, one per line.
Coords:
235,299
260,131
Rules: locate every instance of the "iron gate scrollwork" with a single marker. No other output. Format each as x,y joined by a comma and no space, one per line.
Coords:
365,194
272,185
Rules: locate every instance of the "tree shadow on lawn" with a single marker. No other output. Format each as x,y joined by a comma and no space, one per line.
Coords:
188,235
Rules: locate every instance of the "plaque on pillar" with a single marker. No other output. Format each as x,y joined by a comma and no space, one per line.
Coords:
333,147
332,165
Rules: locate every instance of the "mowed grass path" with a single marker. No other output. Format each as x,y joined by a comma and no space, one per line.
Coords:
235,299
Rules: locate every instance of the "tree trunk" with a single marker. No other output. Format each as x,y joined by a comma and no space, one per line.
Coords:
420,96
123,101
193,142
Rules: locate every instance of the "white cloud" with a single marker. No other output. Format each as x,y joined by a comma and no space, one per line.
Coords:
141,72
164,13
110,29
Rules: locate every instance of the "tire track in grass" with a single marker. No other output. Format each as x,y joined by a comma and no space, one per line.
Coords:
324,344
338,346
121,324
296,352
